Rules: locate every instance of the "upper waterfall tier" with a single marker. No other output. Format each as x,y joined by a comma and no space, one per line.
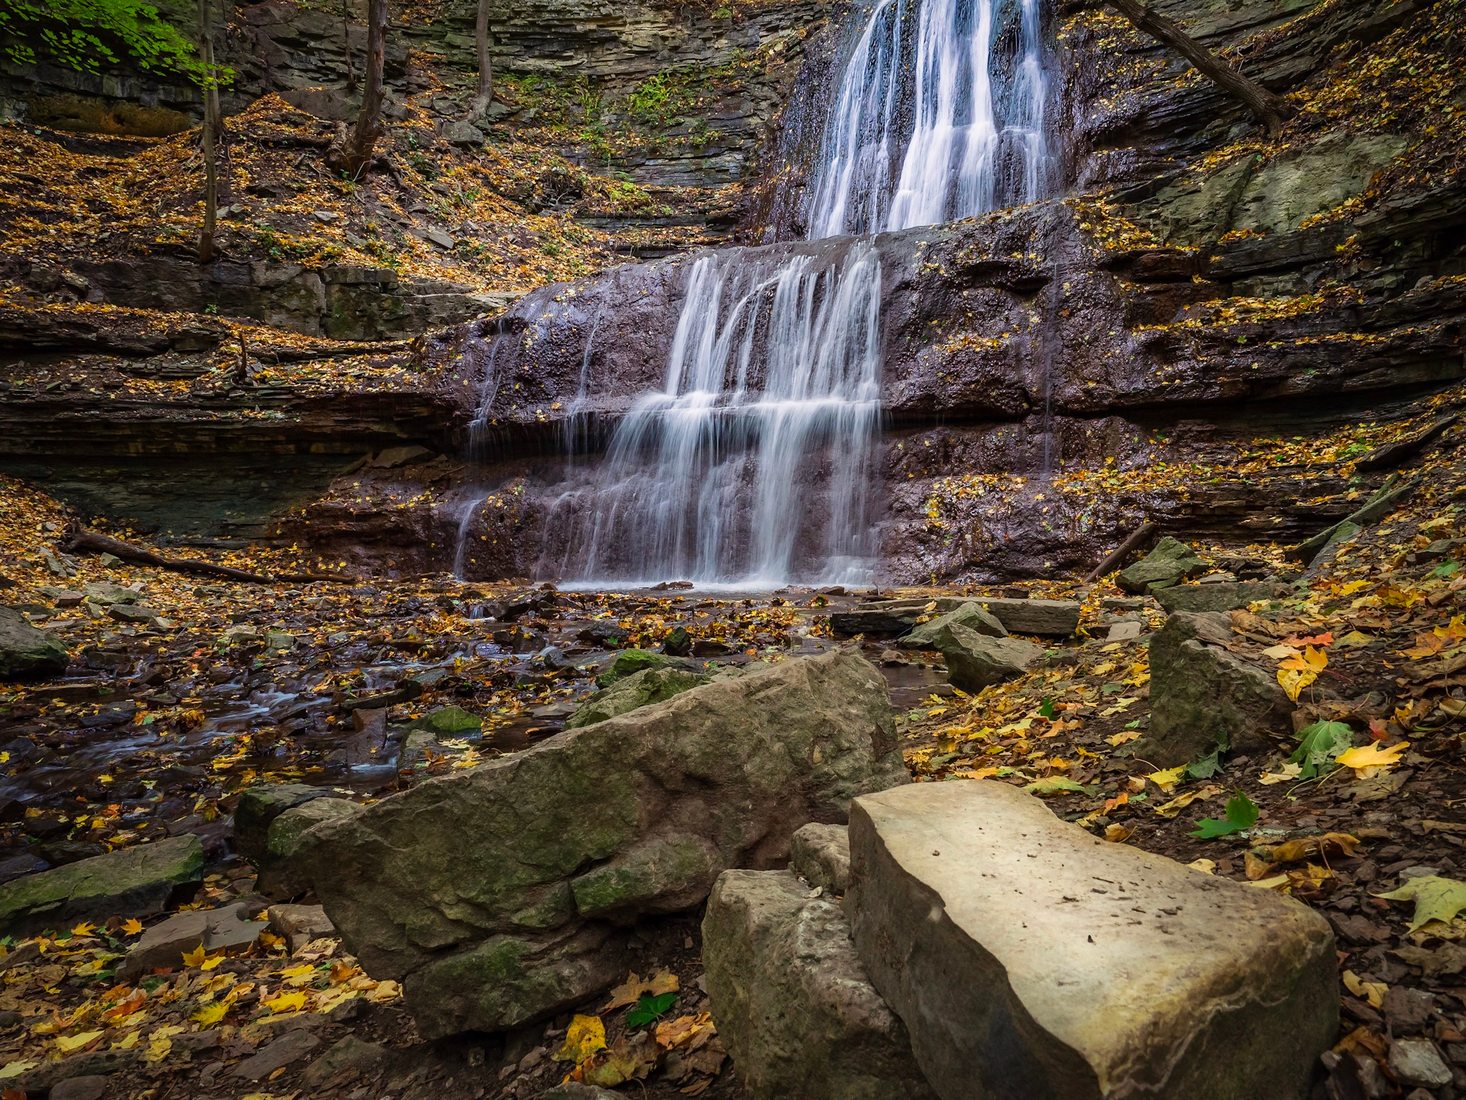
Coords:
936,122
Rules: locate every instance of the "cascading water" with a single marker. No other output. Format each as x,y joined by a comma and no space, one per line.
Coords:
753,463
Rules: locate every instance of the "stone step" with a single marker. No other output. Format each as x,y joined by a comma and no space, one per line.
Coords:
1028,958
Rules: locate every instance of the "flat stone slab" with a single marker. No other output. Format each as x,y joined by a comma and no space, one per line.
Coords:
130,882
1029,958
1050,618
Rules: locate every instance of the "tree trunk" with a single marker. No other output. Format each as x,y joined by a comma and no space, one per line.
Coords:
1271,109
210,136
485,94
346,45
357,153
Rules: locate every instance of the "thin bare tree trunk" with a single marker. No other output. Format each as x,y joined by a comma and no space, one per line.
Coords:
485,94
1271,109
210,136
357,154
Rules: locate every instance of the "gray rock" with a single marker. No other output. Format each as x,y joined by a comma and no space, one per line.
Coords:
463,133
1204,697
938,632
27,652
1051,618
499,894
1219,596
91,1087
1170,563
288,841
791,1000
651,685
287,1049
1088,969
259,806
163,945
574,1090
300,924
134,881
133,613
975,661
1124,632
450,722
820,854
1418,1062
347,1054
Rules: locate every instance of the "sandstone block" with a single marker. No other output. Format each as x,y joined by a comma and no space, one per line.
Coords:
1029,958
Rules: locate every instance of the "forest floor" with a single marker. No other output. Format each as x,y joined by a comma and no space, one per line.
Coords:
170,713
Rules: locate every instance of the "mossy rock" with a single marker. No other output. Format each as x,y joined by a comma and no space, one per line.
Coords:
651,685
629,662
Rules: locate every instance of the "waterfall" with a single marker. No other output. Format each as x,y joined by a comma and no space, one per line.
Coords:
753,464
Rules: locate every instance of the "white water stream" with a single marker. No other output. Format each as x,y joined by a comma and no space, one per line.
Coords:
753,463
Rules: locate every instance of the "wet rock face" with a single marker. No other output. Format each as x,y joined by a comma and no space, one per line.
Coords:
1090,969
26,652
502,894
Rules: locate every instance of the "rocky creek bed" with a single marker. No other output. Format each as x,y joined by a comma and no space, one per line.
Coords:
1172,692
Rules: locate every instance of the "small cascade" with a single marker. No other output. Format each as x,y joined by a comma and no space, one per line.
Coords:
753,463
749,465
973,138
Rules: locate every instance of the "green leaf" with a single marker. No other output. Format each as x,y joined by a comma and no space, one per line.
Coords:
1204,768
1449,569
1435,898
1242,814
1054,784
1046,709
649,1009
1319,746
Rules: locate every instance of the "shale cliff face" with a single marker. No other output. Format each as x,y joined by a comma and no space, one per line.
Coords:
1197,314
1197,291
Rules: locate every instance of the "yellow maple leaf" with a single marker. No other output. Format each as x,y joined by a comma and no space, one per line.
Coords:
1166,780
67,1044
84,930
209,1015
287,1002
1368,760
195,957
132,926
585,1036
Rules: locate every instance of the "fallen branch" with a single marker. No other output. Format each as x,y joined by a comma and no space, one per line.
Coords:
1137,540
1394,454
1272,109
78,541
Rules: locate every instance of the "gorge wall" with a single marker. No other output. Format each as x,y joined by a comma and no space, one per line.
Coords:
1203,328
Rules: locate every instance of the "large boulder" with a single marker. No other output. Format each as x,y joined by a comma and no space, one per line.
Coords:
131,882
975,661
502,894
26,652
650,685
1170,563
1204,697
1029,958
937,633
791,999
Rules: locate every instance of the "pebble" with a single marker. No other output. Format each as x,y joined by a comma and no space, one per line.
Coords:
1417,1062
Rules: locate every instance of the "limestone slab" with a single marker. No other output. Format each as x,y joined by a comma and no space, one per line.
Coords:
1028,958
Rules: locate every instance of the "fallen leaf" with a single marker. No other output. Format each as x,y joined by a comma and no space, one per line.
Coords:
1369,760
635,986
585,1037
1436,899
